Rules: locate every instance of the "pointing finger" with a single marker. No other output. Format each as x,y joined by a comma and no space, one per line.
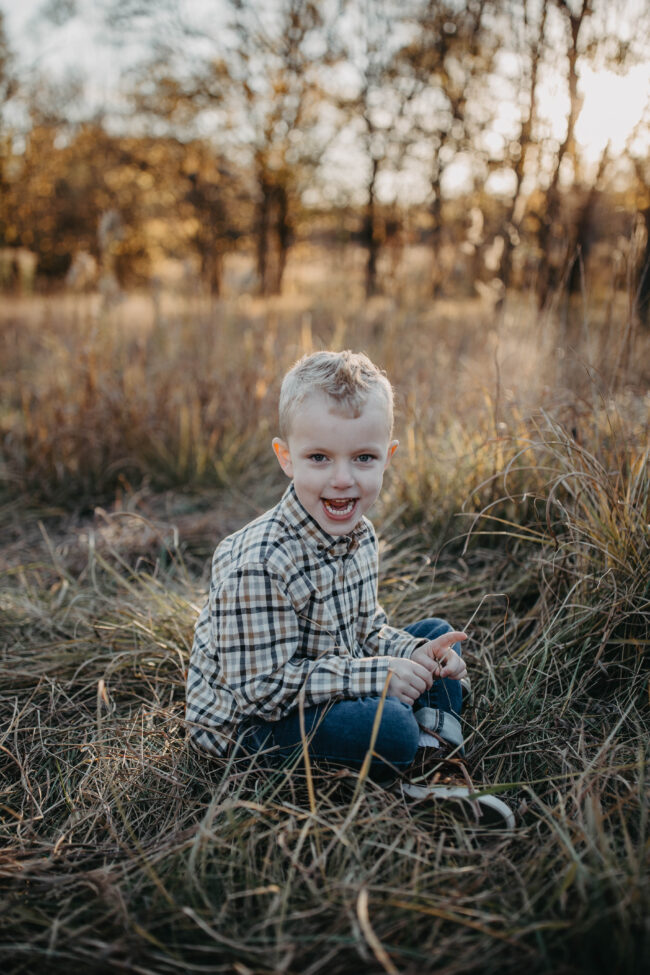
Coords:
445,642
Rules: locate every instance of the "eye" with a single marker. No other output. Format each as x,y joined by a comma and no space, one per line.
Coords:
317,458
366,458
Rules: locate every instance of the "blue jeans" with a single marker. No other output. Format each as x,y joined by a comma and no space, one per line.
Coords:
339,732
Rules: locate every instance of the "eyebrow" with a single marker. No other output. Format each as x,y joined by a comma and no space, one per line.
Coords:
367,449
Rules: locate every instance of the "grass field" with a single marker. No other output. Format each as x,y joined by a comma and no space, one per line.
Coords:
132,440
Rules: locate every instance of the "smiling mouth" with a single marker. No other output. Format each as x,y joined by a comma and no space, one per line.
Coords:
339,507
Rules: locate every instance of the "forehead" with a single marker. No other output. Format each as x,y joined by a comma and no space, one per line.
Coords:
318,412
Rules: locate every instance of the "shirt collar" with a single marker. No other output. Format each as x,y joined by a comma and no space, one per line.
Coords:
308,529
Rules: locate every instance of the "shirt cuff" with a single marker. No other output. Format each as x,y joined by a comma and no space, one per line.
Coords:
398,643
368,676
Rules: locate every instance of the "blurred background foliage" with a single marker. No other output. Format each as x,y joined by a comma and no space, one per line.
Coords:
446,128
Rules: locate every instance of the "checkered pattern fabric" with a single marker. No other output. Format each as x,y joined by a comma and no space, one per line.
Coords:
292,614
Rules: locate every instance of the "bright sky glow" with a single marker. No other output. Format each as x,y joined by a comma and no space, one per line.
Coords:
79,47
613,106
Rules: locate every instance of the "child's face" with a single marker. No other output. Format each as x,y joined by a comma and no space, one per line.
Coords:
337,461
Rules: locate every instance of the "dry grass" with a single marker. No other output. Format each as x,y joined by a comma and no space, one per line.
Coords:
130,445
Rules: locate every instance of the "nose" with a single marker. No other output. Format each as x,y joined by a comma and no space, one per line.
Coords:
341,476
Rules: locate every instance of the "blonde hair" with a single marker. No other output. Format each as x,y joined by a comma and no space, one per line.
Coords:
348,378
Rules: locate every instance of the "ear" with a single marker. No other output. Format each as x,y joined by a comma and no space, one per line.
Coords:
281,449
392,447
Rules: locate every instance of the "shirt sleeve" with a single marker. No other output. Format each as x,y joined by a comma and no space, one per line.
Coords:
384,640
380,639
256,638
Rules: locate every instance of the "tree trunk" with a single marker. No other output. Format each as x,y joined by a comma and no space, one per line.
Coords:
510,228
550,229
210,238
644,280
584,230
370,236
436,229
211,271
283,235
263,216
273,236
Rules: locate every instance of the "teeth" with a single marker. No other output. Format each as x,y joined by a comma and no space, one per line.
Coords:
340,506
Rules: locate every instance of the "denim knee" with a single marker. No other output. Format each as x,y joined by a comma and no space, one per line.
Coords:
397,740
432,624
430,629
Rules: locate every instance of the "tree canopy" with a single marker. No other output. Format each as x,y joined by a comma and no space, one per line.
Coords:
248,131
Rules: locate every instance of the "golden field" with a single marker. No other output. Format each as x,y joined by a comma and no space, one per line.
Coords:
133,436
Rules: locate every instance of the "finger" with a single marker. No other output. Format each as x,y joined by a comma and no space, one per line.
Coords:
428,673
420,670
428,663
421,684
448,639
454,671
446,642
418,684
457,636
420,677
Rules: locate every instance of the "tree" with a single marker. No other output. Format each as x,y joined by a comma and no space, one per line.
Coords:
8,85
447,64
532,46
259,93
553,236
275,70
63,198
369,34
641,164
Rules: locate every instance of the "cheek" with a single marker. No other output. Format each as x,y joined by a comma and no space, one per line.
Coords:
373,478
377,483
309,480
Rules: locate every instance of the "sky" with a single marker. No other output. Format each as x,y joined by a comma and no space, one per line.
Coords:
81,45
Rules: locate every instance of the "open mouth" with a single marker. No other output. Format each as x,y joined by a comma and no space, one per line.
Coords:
339,507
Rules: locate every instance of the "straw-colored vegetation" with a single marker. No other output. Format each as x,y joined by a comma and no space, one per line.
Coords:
518,508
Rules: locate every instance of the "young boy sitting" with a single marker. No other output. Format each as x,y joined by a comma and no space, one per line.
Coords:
292,629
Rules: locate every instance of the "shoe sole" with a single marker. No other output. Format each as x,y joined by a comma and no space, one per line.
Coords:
493,811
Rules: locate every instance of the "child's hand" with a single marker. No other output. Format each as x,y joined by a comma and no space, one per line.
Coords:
440,653
409,679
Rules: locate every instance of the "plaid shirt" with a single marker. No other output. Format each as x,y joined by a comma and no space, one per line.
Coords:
292,612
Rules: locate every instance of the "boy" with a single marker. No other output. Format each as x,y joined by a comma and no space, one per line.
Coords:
292,626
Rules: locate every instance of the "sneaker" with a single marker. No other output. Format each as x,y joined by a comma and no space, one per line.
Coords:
448,779
485,810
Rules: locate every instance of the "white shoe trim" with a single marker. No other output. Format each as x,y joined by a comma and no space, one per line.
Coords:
486,803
